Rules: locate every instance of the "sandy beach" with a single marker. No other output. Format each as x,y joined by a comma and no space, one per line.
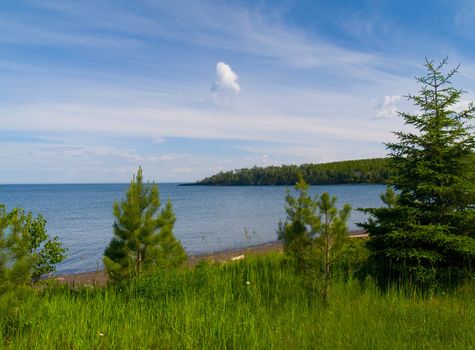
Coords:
100,277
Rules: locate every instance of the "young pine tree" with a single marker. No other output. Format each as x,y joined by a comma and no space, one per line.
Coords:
426,234
301,226
315,234
143,234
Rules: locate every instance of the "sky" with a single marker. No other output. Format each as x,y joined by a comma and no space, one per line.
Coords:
91,90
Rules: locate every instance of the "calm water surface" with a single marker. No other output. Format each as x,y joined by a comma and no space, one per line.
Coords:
208,218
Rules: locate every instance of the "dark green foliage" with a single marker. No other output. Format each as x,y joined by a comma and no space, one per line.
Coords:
315,236
351,171
26,250
143,234
427,233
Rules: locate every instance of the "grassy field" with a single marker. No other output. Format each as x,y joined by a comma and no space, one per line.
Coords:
257,303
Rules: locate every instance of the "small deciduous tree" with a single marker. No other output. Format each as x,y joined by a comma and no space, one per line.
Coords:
426,234
315,234
26,250
143,234
26,253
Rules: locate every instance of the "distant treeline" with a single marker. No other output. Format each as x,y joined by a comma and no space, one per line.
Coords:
372,171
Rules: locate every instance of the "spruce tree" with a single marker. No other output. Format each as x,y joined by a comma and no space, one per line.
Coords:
143,234
426,234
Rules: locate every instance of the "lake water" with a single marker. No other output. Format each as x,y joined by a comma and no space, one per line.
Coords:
209,219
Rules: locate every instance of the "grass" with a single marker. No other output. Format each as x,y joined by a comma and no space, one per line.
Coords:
257,303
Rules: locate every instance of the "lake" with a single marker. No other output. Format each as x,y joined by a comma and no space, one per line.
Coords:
209,218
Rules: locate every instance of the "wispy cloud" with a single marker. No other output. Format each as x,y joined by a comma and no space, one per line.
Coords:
143,72
242,29
156,120
386,107
464,20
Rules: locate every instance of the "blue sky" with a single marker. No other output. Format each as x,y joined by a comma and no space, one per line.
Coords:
90,90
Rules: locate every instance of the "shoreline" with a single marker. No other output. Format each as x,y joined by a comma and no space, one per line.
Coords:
100,277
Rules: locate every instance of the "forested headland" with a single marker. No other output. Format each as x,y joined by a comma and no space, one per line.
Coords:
376,170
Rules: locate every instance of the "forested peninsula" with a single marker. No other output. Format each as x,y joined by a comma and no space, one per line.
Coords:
372,171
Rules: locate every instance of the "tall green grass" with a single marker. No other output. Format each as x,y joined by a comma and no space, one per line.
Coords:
258,303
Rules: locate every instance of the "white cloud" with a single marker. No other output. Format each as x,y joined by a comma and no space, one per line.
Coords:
461,106
386,107
226,80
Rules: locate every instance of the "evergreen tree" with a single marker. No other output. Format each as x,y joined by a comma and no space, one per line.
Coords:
427,233
315,234
143,234
302,225
350,171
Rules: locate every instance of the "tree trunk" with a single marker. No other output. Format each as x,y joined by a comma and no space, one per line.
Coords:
138,260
